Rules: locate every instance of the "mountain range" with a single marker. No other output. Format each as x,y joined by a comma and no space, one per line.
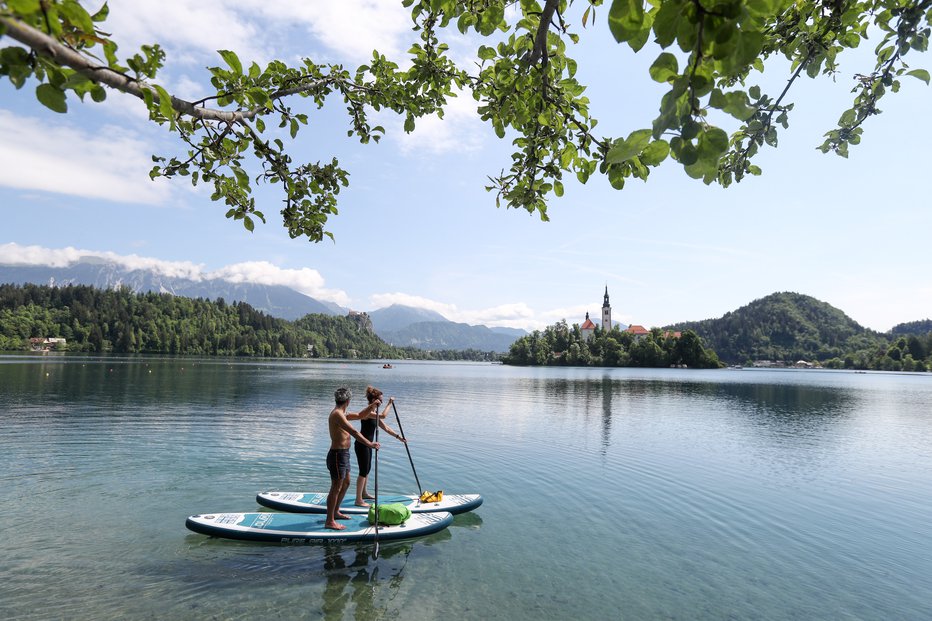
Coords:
403,326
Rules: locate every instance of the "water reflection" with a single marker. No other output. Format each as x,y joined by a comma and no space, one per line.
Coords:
776,409
357,581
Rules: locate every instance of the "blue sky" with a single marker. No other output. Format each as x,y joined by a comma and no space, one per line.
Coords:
416,225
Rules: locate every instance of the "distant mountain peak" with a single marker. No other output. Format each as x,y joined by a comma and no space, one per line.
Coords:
275,300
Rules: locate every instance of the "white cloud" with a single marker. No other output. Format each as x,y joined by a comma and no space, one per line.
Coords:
305,280
459,130
188,30
15,254
257,30
351,28
112,164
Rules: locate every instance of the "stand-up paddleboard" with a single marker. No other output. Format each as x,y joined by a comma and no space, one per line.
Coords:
316,502
293,528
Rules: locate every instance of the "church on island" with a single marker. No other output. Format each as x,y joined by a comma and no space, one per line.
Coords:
587,328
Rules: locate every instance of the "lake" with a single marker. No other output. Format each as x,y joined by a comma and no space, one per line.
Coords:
609,493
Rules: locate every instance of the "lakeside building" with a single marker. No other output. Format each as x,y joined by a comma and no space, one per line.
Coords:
47,344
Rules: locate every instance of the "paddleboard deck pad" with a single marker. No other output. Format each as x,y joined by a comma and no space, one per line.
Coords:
293,528
316,502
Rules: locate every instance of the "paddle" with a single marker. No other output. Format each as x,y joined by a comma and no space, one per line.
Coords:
376,500
401,430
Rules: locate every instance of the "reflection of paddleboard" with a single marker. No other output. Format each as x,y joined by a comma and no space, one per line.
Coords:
316,502
296,528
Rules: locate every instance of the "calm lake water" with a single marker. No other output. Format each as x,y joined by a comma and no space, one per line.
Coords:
609,493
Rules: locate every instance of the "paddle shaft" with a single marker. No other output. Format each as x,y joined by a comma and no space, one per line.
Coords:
401,430
376,486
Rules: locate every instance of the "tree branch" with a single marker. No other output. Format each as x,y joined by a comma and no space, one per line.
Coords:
540,40
64,55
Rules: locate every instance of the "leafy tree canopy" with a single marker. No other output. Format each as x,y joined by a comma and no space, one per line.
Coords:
713,118
118,320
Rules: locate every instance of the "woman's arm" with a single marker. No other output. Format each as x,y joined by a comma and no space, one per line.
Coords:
391,431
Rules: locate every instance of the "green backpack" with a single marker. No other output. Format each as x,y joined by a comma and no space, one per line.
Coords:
391,514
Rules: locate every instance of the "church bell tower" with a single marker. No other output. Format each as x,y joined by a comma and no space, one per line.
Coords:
606,313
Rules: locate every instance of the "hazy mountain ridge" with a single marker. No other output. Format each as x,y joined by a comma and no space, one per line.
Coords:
275,300
449,335
399,316
407,326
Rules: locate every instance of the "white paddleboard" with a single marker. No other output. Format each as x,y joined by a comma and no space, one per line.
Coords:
316,502
294,528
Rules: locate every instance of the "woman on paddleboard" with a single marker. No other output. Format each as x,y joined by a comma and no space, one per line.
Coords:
363,452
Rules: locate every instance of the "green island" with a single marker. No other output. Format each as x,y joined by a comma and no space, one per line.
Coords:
779,330
564,345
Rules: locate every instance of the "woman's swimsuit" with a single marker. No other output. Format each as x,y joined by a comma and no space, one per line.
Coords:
363,452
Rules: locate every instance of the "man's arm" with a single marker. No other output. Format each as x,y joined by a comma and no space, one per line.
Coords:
345,425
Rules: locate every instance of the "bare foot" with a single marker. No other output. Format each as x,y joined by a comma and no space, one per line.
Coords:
334,526
342,516
361,503
368,497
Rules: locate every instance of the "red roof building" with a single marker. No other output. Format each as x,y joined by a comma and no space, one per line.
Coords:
587,328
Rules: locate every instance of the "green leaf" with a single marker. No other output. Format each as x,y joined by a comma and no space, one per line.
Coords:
616,177
667,22
52,98
232,60
749,47
664,68
922,74
77,16
23,7
713,142
623,150
486,52
241,177
655,153
625,19
165,104
249,224
101,15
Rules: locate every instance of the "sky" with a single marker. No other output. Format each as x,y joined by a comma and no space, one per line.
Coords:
416,225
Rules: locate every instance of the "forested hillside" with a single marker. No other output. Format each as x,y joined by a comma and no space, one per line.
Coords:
107,320
786,327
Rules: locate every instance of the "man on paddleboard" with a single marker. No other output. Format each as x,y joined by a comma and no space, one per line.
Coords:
338,457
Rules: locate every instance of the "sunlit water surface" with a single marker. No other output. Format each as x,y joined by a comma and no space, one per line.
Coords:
609,493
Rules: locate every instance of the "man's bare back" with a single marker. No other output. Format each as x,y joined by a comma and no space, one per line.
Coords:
340,428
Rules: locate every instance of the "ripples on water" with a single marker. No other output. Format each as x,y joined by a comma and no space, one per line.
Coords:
608,493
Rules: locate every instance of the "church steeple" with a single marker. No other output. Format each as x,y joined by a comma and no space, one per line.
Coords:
606,313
